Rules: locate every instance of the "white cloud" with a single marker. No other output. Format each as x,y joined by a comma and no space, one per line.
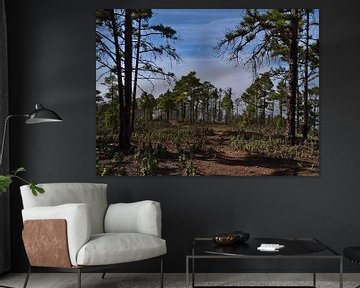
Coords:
220,73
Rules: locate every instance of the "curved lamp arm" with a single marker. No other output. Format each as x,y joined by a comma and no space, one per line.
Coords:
39,115
4,134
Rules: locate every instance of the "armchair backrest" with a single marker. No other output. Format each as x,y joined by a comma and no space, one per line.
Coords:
92,194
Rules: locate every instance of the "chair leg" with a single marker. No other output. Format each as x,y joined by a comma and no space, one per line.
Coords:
161,273
27,277
103,275
79,277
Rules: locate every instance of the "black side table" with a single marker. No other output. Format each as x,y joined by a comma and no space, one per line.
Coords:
353,255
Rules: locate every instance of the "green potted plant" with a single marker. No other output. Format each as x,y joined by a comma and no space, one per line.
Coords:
6,180
39,115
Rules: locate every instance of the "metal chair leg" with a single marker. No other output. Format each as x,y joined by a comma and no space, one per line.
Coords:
161,273
27,277
103,275
79,277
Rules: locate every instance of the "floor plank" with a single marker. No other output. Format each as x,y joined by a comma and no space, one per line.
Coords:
114,280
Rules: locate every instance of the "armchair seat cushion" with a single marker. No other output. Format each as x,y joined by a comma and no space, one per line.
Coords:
114,248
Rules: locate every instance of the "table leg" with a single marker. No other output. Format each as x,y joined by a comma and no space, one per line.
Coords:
314,271
341,273
187,272
193,267
193,272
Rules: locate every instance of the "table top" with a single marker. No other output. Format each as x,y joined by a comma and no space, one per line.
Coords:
292,247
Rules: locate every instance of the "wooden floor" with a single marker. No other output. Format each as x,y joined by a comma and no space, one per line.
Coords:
91,280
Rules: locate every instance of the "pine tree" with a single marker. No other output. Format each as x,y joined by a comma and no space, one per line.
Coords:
227,104
187,90
166,103
146,103
116,31
267,34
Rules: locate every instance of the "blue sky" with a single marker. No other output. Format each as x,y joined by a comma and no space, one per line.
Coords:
198,31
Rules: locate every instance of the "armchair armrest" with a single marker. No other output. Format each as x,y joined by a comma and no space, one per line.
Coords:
138,217
77,217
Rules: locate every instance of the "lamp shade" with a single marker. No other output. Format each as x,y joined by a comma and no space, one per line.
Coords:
42,115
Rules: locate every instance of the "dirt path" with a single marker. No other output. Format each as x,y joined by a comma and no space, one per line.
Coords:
218,158
222,160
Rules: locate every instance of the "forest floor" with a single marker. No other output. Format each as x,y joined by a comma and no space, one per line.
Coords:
217,155
218,158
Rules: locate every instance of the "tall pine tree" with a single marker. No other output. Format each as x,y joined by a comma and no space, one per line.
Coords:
263,35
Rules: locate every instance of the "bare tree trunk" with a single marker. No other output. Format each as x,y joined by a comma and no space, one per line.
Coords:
128,78
264,110
214,111
293,76
115,31
306,82
257,111
219,106
191,118
297,112
196,116
136,75
183,112
207,110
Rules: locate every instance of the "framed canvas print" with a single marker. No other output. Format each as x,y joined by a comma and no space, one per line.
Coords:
205,92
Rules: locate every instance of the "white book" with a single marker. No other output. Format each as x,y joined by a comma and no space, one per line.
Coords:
270,247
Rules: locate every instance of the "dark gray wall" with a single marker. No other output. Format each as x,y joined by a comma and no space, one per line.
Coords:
52,61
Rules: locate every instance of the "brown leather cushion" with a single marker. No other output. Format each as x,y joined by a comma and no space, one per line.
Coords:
46,243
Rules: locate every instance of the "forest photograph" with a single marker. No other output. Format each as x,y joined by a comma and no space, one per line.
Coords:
207,92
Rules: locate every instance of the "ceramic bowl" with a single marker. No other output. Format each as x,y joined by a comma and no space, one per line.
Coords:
225,239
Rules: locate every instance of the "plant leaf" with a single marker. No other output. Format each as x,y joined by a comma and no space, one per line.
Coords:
39,189
36,189
20,169
5,182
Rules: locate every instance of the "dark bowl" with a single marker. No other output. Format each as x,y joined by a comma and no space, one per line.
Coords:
231,238
225,239
241,236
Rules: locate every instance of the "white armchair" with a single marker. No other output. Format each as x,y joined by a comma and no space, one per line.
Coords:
72,228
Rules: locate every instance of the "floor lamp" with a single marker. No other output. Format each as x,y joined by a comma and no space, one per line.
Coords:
39,115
